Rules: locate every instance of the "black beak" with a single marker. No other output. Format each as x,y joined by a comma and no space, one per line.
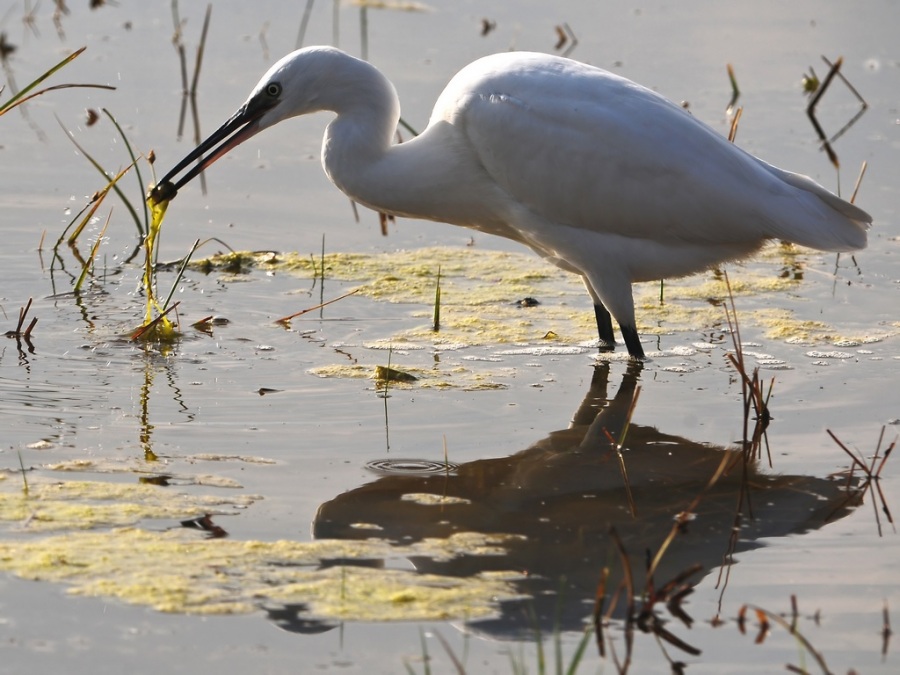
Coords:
242,125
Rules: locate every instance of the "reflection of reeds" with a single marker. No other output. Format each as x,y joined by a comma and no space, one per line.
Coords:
886,631
752,394
753,399
817,91
189,86
644,616
18,334
671,593
618,444
764,617
872,477
518,666
565,36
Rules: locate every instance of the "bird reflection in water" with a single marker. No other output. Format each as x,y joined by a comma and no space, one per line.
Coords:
563,494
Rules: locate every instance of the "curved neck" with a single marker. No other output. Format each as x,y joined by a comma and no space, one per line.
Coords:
361,135
425,177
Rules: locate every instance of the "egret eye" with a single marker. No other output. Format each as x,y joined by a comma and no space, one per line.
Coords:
273,89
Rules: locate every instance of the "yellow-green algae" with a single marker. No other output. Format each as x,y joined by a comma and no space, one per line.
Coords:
79,505
180,571
141,469
462,378
480,290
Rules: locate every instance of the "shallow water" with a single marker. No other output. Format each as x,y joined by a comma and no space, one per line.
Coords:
512,408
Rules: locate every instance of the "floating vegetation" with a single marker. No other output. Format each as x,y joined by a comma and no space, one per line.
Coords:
159,329
101,551
481,292
482,312
456,377
197,574
387,374
84,505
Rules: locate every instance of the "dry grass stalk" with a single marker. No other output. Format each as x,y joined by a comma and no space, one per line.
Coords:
285,320
23,336
139,333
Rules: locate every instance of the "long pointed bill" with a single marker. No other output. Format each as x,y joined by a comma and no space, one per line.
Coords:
242,125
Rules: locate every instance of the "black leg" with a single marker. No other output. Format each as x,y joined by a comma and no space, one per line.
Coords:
604,328
632,341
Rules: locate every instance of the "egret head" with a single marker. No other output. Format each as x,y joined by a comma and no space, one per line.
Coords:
288,89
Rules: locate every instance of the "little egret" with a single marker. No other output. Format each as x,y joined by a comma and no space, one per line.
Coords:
597,174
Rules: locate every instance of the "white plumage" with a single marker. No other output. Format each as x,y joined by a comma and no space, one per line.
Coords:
599,175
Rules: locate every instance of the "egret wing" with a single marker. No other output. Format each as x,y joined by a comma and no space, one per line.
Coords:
589,149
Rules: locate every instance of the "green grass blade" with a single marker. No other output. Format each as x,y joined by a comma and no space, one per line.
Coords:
436,320
579,651
9,106
184,264
95,204
18,97
24,477
134,161
425,658
102,171
93,254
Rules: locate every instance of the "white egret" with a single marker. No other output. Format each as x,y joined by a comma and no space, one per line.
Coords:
595,173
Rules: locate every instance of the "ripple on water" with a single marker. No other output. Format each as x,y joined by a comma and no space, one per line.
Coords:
410,466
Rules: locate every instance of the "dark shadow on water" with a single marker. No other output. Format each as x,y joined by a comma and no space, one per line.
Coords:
564,493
